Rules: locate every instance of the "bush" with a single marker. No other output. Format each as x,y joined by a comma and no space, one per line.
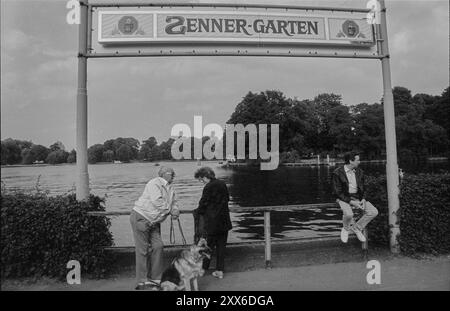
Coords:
377,195
424,214
41,233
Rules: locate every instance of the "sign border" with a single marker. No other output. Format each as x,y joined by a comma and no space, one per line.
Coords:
320,42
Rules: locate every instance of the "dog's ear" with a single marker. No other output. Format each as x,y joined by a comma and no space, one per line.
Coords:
202,242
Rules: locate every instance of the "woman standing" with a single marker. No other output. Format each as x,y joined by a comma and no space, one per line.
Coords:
213,206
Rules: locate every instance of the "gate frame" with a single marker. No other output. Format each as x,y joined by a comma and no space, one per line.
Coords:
381,37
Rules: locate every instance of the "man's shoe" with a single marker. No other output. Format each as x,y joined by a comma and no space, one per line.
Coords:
344,235
217,274
359,234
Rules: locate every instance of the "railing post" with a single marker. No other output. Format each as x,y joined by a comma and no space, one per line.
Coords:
268,251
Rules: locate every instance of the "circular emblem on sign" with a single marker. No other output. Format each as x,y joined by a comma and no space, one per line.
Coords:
350,28
128,25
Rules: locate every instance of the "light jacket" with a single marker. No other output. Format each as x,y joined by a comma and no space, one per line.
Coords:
157,201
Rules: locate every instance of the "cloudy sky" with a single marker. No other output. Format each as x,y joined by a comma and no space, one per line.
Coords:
143,97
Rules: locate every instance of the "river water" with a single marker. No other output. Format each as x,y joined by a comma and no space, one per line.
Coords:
122,184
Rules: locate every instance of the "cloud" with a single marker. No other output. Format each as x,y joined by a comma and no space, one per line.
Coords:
193,107
58,65
15,39
401,43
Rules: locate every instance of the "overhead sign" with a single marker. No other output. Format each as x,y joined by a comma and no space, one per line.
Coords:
144,27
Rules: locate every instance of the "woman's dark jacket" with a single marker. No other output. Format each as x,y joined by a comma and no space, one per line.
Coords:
213,206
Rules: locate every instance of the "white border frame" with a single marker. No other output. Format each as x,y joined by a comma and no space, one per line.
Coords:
155,39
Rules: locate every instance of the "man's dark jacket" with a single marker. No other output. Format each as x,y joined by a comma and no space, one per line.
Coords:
340,184
213,207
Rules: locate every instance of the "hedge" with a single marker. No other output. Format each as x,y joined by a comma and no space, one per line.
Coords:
424,214
41,233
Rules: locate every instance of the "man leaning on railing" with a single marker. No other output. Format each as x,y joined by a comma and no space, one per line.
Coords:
154,205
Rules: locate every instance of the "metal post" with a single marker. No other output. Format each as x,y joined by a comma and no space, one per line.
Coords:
391,142
268,251
82,192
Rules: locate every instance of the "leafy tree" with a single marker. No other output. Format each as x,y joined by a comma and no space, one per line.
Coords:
437,109
301,129
4,153
164,150
124,153
95,153
27,156
331,116
57,157
145,153
150,150
115,144
108,156
416,137
72,158
57,146
24,144
40,152
151,142
11,151
369,129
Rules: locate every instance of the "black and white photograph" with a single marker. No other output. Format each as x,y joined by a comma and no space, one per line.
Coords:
235,149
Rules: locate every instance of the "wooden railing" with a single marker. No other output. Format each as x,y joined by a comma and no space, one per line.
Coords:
255,209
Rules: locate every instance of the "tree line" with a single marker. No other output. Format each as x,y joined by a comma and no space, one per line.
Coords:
15,151
323,125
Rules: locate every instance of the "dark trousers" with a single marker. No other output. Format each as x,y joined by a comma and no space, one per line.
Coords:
219,243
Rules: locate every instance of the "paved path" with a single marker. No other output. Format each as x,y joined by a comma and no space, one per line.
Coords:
396,274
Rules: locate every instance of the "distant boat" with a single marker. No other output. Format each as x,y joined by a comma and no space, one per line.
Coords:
157,164
117,162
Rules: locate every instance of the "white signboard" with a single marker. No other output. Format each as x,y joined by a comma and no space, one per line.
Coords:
213,31
229,27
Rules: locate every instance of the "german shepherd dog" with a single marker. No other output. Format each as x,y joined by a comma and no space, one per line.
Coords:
186,266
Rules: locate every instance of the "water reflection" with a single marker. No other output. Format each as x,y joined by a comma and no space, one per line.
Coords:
316,222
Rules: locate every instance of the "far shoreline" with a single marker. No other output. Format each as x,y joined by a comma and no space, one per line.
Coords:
156,163
104,163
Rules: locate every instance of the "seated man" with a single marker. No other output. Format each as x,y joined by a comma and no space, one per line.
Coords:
348,186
